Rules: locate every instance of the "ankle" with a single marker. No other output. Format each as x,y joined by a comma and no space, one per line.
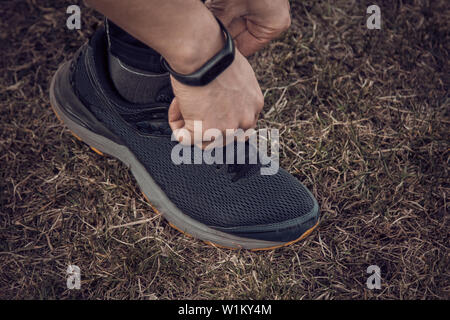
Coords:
135,85
131,51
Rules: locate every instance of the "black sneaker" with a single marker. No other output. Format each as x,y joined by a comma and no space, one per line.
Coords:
231,205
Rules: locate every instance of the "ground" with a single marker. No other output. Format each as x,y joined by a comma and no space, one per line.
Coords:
364,123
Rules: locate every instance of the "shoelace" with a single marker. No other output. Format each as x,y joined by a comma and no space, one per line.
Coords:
241,170
155,120
149,121
152,120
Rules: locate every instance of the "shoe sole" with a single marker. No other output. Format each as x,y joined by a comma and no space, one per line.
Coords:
159,201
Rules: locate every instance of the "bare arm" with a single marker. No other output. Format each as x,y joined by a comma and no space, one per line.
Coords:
185,32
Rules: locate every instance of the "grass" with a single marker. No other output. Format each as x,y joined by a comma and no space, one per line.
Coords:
364,122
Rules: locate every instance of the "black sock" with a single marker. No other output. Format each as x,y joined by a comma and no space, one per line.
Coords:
135,68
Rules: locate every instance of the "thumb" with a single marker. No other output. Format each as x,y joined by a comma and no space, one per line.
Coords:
175,117
248,44
220,11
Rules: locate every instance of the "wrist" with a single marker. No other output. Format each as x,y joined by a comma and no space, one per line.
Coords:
212,68
200,43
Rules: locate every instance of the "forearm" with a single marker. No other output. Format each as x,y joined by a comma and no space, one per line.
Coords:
184,31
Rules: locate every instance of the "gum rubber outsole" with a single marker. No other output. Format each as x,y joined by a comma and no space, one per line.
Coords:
174,217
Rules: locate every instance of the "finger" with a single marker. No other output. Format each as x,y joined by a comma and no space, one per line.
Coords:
248,44
236,27
248,122
239,135
175,117
212,139
177,123
256,120
214,143
225,16
208,145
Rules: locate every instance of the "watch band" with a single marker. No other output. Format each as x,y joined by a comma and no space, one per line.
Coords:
212,68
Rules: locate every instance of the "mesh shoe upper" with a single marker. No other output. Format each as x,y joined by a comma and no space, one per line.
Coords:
204,192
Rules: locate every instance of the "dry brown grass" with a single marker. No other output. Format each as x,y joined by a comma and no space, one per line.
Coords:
364,122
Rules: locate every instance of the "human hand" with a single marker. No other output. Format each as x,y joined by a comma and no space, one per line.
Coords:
233,100
252,23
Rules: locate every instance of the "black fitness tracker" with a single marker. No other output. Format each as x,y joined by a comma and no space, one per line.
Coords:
212,68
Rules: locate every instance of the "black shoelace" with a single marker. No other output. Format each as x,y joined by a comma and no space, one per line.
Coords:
154,120
241,170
